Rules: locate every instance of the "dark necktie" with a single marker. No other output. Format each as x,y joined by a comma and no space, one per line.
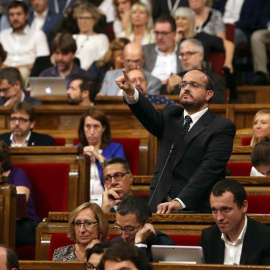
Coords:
186,125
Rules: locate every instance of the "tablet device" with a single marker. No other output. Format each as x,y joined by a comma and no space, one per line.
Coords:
177,254
47,86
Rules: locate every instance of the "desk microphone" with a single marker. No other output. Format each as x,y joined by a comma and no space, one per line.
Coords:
161,174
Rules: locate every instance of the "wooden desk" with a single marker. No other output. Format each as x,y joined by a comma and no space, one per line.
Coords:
7,214
47,265
171,224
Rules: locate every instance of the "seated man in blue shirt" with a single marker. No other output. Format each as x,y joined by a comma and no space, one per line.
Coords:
64,48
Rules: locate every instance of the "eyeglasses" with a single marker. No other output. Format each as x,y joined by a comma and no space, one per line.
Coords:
21,120
127,229
187,54
136,61
89,266
163,34
87,224
193,85
142,80
4,90
84,18
117,176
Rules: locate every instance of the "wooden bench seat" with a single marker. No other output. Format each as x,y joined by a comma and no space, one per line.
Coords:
120,116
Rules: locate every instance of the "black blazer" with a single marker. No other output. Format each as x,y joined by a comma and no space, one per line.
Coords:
36,139
197,162
256,246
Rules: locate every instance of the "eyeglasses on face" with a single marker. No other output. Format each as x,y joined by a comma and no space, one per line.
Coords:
117,176
21,120
163,34
193,85
86,224
187,54
127,229
142,80
89,266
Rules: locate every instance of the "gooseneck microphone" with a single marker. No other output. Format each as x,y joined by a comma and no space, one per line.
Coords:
161,174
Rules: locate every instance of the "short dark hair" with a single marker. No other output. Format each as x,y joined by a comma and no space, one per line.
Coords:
15,4
260,154
167,19
11,74
86,85
5,157
132,204
116,160
3,54
125,252
103,119
233,186
26,107
98,248
65,43
12,258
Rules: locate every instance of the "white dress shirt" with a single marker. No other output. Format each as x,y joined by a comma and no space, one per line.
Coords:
39,21
232,11
22,49
233,251
165,65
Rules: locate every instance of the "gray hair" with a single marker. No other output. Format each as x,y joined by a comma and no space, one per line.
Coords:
195,42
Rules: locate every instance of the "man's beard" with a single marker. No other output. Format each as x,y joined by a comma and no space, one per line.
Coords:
191,105
64,67
73,101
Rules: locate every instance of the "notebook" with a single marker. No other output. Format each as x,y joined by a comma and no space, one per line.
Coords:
177,254
47,86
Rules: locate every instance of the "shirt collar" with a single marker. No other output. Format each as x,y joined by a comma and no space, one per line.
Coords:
160,53
240,238
25,30
25,143
196,116
43,15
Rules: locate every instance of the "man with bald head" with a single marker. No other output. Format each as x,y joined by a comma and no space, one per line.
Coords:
8,258
194,143
133,59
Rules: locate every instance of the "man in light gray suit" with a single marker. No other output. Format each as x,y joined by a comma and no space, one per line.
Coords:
133,59
162,58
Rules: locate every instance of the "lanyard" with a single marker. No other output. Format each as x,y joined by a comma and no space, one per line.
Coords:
175,6
56,6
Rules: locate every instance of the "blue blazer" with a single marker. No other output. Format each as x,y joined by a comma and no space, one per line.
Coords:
249,16
112,150
50,21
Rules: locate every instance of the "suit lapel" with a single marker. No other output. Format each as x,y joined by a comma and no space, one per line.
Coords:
247,244
200,126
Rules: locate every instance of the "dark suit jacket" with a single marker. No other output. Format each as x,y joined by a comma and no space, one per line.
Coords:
196,163
27,98
36,139
159,239
151,57
50,21
249,16
256,246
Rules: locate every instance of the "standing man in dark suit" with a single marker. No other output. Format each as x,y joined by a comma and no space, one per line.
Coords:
22,122
235,238
199,142
133,221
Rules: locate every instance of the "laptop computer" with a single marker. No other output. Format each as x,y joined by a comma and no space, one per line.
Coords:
177,254
47,86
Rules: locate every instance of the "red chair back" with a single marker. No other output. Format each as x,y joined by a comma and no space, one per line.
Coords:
60,141
50,186
58,240
239,168
246,141
186,240
217,60
259,204
230,28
